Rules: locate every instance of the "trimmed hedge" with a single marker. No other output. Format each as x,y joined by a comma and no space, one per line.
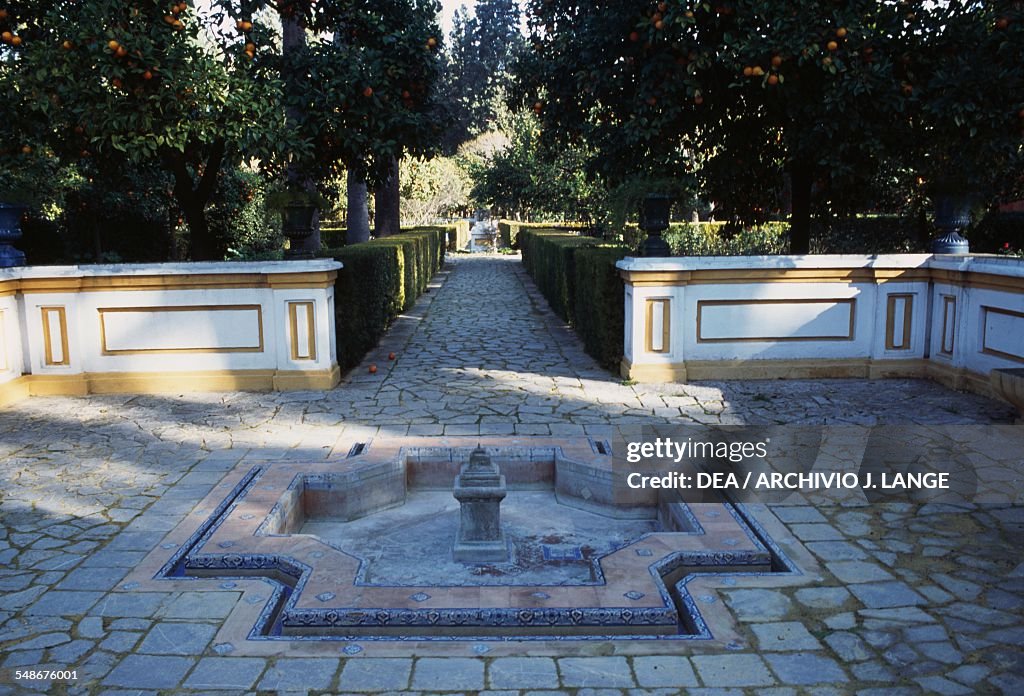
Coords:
379,280
458,237
333,237
577,275
509,230
600,303
719,239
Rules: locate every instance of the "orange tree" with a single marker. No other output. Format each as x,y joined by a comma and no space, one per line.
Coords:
754,96
157,82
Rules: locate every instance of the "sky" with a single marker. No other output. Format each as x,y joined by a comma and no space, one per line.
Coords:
448,10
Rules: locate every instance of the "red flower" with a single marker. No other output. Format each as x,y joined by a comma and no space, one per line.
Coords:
1006,245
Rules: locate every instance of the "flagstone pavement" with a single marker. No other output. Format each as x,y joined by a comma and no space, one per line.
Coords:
913,599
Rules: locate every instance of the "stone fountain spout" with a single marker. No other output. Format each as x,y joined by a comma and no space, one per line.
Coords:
480,488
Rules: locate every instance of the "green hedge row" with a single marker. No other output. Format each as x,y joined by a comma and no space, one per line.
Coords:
509,230
721,239
458,236
578,277
379,280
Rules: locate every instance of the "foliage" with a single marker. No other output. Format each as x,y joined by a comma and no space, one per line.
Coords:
477,58
433,190
508,230
767,101
528,181
577,277
722,239
380,279
600,303
116,86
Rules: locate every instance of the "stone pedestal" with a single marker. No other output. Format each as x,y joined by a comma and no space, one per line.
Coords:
480,488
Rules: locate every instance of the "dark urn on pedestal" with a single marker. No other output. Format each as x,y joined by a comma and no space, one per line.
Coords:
10,232
654,219
952,214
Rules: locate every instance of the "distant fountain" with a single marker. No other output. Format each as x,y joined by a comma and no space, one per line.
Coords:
480,488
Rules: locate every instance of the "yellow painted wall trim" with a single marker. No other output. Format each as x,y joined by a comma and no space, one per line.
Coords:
166,382
301,380
187,281
777,369
13,390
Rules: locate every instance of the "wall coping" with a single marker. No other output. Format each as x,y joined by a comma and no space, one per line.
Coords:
975,263
173,269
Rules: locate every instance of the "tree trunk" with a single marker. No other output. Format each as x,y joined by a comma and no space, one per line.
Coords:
358,209
293,40
801,175
387,213
193,200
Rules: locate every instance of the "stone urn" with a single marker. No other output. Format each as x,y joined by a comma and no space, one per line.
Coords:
297,221
10,232
952,214
1008,384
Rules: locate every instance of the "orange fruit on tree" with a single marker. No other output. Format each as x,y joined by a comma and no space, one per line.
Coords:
659,25
776,61
748,71
16,40
3,14
698,99
832,46
170,19
634,36
6,37
773,79
1002,23
121,52
841,32
67,45
113,45
432,42
148,75
26,149
368,92
250,47
758,71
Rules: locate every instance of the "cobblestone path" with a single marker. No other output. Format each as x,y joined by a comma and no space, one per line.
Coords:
912,599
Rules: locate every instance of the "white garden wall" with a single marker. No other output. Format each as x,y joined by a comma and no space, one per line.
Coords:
167,328
950,317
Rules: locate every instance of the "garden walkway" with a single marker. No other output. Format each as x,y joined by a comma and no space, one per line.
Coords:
910,600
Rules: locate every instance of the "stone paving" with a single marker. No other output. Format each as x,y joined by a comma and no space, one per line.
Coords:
912,599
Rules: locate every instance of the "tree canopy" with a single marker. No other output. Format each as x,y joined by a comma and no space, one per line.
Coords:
759,98
150,83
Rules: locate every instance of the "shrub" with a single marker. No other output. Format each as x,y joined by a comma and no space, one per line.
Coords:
600,303
508,230
548,258
578,277
458,238
379,280
722,239
333,237
996,230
